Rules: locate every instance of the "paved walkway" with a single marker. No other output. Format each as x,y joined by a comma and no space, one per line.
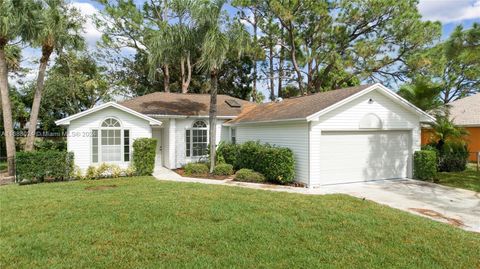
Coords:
458,207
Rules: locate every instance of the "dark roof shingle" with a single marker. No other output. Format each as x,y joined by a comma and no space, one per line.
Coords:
178,104
297,107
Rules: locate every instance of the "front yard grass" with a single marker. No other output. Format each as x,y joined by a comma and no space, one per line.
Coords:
3,166
145,223
468,179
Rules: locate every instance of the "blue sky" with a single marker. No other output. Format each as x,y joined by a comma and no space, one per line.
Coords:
450,12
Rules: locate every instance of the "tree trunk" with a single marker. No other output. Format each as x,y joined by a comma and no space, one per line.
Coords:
293,55
254,86
280,66
185,78
213,117
37,99
271,71
166,78
7,111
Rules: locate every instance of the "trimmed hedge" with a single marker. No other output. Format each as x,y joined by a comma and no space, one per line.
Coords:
277,164
39,166
143,158
248,155
425,164
228,152
196,169
223,169
248,175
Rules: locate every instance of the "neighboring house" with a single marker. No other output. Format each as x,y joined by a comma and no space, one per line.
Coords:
465,113
346,135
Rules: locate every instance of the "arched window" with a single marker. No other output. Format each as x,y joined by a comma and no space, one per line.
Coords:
110,143
196,139
110,122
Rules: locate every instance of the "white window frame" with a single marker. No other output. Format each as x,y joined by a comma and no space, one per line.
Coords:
191,129
122,142
233,135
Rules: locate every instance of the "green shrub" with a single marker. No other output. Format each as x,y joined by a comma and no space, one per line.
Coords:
425,165
91,172
229,152
48,144
196,169
453,157
39,166
276,164
107,170
223,169
249,175
248,155
144,155
76,173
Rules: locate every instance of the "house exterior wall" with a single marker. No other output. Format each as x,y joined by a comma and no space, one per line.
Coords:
348,117
290,135
181,125
472,139
79,133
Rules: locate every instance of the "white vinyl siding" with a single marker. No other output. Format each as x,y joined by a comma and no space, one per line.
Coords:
347,118
80,132
290,135
180,135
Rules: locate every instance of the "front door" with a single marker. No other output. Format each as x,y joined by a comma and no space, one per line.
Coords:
157,134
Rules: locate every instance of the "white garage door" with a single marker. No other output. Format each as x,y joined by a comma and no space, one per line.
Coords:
362,156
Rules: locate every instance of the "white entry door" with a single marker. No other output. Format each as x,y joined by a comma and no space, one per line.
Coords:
157,134
355,156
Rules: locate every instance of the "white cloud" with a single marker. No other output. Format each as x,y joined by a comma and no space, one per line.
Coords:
91,33
448,11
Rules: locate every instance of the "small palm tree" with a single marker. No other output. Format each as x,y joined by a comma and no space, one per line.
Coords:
17,21
60,27
218,41
444,130
423,94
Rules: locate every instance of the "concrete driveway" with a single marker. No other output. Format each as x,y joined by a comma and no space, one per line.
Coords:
455,206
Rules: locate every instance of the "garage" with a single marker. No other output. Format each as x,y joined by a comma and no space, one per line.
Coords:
355,156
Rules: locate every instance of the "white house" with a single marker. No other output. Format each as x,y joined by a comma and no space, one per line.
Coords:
346,135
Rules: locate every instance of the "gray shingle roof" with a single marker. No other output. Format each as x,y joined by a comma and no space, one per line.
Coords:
297,107
178,104
466,111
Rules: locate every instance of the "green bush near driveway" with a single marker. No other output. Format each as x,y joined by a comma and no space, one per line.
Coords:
143,158
196,169
277,164
425,164
39,166
223,169
248,175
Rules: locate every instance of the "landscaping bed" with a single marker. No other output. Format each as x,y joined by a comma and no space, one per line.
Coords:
145,223
181,171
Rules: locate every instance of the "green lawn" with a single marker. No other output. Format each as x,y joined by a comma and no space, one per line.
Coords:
468,179
145,223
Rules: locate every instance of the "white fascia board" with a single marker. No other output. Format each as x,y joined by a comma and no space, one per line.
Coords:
67,120
163,116
263,122
424,116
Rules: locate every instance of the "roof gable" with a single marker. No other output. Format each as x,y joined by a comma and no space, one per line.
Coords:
67,120
312,106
